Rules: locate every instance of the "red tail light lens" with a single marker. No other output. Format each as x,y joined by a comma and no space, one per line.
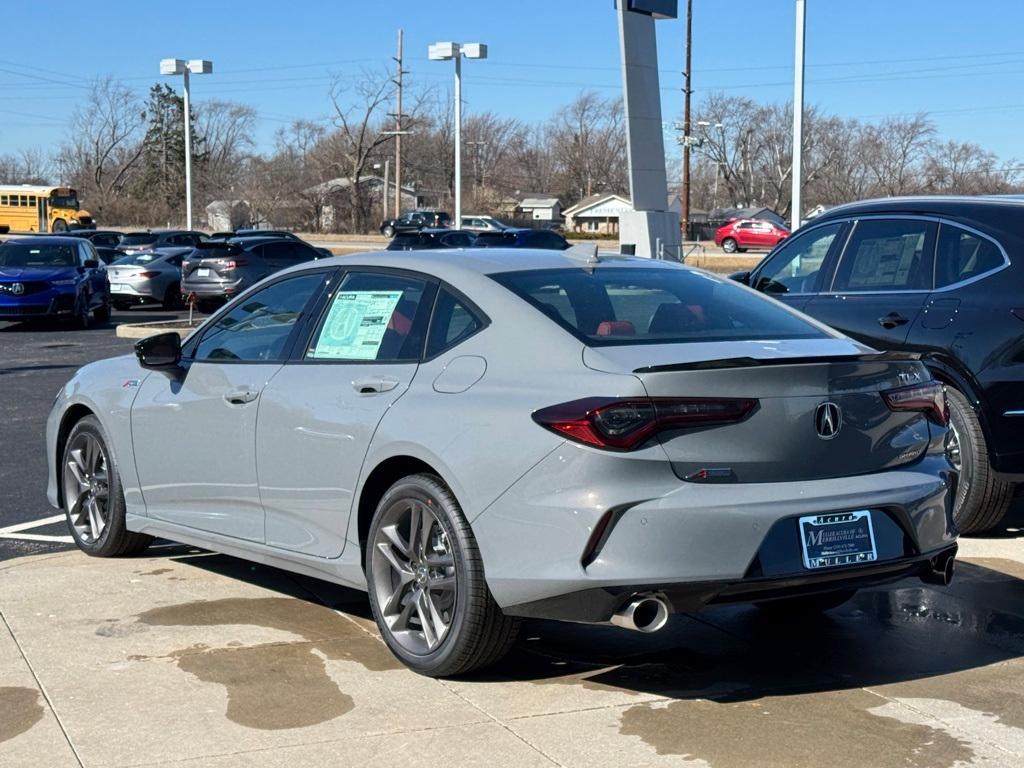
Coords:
626,424
929,399
234,264
186,264
148,275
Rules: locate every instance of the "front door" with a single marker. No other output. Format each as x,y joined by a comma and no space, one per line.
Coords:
194,431
795,270
881,283
319,413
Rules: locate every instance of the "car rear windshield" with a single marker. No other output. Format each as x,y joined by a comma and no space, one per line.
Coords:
13,254
138,238
649,305
140,258
492,239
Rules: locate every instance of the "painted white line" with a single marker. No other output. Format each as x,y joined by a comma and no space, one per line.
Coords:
32,524
37,537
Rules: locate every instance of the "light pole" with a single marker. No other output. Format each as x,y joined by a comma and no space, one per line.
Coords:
444,52
185,68
798,114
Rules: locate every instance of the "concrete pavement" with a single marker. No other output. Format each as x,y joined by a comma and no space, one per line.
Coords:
187,658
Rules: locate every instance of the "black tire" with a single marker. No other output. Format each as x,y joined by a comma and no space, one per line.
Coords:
389,231
115,540
807,604
982,499
102,313
479,634
729,245
172,297
59,225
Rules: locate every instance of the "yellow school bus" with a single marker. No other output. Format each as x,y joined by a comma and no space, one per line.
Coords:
29,208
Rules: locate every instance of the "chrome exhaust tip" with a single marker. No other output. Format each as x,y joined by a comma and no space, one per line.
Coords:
644,613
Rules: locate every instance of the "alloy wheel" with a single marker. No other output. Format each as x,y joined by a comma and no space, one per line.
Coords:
414,576
87,488
953,448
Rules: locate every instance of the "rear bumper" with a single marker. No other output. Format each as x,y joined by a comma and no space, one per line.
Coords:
600,604
135,294
582,520
208,290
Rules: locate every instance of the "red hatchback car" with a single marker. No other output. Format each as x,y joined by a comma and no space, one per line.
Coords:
741,234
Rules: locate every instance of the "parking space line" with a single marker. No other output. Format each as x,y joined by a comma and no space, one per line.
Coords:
31,524
37,537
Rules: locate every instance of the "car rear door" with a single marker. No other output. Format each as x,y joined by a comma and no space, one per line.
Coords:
194,430
882,281
319,413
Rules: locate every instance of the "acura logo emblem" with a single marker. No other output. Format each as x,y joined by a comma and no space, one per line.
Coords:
828,420
17,289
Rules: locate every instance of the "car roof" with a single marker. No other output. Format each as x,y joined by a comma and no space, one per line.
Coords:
47,240
951,204
450,264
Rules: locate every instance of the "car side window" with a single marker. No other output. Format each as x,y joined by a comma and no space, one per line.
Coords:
962,255
452,322
795,265
257,328
457,240
887,255
372,317
302,252
83,253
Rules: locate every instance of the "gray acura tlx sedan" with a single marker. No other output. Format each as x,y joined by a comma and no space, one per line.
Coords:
474,436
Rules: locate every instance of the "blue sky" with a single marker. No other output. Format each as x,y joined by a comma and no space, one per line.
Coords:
962,62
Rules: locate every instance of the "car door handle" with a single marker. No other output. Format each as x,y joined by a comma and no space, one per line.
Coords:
241,396
892,320
374,385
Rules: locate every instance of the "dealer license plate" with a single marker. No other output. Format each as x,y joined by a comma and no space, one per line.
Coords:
202,272
839,538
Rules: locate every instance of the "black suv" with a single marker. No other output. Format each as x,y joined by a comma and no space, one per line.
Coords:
938,276
413,221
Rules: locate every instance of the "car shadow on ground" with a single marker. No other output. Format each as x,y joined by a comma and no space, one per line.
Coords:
909,631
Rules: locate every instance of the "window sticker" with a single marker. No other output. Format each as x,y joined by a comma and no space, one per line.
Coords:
356,324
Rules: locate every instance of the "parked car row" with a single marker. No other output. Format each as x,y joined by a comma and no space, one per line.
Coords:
508,237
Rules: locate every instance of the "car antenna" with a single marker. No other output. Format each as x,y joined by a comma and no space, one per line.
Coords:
585,252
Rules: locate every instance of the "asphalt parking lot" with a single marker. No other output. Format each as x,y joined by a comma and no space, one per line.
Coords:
184,657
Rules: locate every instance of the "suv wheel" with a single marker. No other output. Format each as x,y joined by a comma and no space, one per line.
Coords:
426,583
729,245
982,499
102,313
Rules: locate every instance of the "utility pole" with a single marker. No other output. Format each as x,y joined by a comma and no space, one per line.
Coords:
798,115
398,126
687,91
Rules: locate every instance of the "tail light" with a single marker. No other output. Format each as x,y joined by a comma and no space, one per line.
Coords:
234,264
623,425
147,275
185,265
929,399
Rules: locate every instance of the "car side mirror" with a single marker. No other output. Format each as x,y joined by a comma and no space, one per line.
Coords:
741,277
91,264
160,351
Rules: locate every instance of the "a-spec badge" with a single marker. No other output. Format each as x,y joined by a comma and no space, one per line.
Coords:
130,383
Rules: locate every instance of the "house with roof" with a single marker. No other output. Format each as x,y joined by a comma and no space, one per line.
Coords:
542,208
598,214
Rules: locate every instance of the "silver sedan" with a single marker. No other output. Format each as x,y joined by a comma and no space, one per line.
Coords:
475,436
148,277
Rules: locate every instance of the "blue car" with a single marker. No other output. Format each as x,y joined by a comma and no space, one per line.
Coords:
53,277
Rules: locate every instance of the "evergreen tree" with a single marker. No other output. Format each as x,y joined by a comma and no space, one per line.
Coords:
161,182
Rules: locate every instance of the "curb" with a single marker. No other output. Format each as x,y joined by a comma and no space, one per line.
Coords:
145,330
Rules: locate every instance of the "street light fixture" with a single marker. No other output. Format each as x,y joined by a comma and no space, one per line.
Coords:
446,52
186,68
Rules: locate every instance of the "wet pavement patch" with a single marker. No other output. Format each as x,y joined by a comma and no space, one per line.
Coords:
20,709
281,684
787,731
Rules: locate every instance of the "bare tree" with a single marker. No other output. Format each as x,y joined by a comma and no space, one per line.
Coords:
29,166
894,150
963,168
359,112
227,128
587,139
105,143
